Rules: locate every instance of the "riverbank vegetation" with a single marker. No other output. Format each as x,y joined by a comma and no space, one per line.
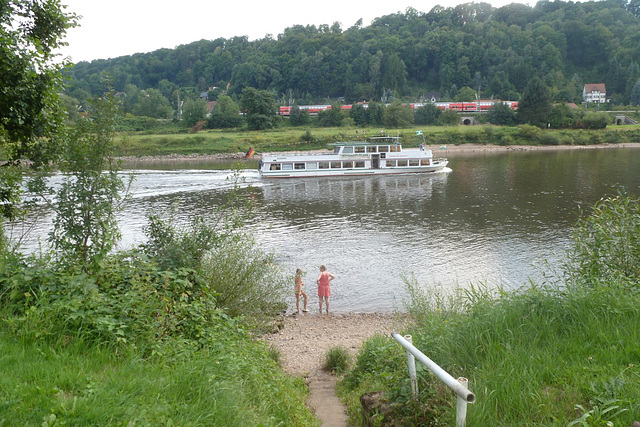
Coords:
287,138
161,334
564,352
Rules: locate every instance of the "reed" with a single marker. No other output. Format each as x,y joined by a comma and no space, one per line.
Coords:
561,353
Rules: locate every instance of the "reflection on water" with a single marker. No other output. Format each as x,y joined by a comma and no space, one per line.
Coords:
490,219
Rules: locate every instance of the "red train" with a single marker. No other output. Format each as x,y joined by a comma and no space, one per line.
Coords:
471,107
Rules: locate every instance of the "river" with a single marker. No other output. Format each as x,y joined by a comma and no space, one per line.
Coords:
494,218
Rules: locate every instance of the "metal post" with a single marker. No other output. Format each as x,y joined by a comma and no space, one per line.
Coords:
461,406
437,370
411,362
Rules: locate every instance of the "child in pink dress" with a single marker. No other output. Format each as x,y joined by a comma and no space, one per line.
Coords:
324,291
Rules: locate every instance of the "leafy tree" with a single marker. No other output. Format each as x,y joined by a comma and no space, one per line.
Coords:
595,120
535,105
194,111
259,107
331,117
152,103
465,94
427,115
449,118
31,115
395,73
226,114
359,115
376,113
299,117
85,226
561,116
397,116
502,115
634,98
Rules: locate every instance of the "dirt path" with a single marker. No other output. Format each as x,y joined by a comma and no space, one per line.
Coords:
304,341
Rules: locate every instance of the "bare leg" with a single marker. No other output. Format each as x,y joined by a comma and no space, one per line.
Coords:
327,305
304,295
298,303
321,304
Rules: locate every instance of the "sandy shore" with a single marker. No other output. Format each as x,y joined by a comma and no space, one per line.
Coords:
305,339
439,151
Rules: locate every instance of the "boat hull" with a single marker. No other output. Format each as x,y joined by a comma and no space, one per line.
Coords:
437,167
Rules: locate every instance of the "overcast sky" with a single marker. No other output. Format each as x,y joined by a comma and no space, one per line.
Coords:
123,27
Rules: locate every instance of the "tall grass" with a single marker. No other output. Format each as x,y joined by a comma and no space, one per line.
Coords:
538,356
234,383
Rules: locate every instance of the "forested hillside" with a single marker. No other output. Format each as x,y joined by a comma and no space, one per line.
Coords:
494,51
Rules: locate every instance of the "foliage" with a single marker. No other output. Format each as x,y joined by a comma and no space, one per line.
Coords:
194,111
502,115
449,118
596,120
63,379
152,103
337,360
225,114
562,351
87,200
427,115
634,98
332,117
30,33
494,50
606,243
299,117
31,114
534,107
259,107
398,116
562,116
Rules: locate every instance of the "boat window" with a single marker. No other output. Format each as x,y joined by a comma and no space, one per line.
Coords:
299,165
347,150
359,164
402,163
391,163
371,148
424,162
274,167
383,149
336,150
336,165
287,166
323,165
312,165
359,149
414,162
348,165
393,148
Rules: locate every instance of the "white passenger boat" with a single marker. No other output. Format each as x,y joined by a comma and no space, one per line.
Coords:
380,155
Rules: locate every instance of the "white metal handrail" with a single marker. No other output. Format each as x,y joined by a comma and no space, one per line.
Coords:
458,386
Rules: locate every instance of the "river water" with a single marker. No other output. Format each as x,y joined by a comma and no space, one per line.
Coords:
494,218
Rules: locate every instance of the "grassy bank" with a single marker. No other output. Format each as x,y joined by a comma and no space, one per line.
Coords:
546,355
288,138
70,382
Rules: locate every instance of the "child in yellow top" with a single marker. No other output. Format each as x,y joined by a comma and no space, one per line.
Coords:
298,290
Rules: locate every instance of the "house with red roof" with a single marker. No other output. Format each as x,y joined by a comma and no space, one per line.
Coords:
594,92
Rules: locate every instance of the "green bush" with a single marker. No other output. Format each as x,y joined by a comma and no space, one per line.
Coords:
337,360
606,243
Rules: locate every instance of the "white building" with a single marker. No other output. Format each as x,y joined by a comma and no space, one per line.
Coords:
594,92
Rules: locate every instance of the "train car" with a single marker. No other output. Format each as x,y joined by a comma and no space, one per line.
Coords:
480,106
